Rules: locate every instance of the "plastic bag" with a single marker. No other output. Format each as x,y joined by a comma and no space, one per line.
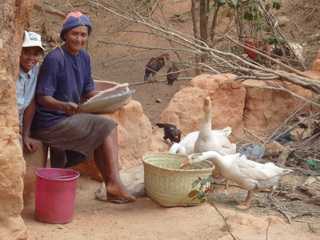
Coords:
252,151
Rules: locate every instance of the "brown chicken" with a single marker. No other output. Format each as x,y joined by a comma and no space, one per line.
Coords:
172,73
154,65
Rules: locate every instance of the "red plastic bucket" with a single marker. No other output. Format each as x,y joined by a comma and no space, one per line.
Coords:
55,194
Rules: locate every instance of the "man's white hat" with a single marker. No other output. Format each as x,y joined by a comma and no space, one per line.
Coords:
32,39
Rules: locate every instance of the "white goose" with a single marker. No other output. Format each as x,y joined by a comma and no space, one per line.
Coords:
208,140
186,145
246,173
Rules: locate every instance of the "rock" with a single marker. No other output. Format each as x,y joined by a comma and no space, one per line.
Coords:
158,144
134,138
266,109
185,108
12,166
239,105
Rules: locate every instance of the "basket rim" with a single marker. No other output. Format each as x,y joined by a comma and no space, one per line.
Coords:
172,169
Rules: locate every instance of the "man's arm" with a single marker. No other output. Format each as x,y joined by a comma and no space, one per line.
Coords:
27,118
30,144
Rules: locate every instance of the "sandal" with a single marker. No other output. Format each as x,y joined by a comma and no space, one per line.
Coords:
120,200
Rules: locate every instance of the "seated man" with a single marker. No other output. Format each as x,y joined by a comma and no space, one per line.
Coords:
32,50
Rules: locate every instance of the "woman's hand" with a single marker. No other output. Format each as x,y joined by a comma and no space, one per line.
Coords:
70,108
30,145
50,102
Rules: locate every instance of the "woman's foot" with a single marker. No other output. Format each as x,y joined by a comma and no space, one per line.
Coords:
116,193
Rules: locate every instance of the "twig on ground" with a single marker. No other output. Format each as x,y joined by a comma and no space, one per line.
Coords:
304,221
225,221
268,228
282,212
254,135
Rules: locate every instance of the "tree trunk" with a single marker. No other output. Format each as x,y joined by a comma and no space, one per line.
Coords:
195,32
203,21
214,23
203,25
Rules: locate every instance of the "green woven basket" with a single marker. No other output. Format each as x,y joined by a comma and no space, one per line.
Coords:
168,185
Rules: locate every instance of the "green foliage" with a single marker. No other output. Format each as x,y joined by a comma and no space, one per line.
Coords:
201,187
252,12
220,2
233,3
254,15
276,4
273,40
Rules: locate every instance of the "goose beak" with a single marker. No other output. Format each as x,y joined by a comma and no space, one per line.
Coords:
194,157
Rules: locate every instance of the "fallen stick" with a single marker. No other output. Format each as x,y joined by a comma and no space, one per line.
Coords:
225,221
282,212
252,134
268,228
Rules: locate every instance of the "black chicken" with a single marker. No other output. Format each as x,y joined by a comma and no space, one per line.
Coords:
172,74
171,132
154,65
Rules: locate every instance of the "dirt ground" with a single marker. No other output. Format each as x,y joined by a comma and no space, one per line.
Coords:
145,219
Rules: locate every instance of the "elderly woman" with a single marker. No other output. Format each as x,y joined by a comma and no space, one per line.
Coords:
64,81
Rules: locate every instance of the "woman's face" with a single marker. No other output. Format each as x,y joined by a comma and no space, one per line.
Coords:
76,38
29,57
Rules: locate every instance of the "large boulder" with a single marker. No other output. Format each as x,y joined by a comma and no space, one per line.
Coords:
134,138
228,102
250,105
14,14
266,108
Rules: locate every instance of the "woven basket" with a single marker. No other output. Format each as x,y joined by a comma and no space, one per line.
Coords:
168,185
